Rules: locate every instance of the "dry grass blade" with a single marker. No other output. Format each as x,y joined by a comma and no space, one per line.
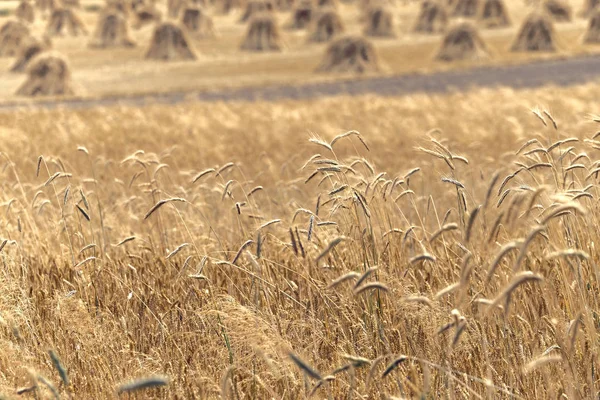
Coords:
432,153
343,135
39,164
411,173
83,212
471,222
560,210
357,361
87,260
507,179
343,278
329,248
547,114
540,362
364,276
568,253
518,280
202,174
454,182
311,225
446,228
422,257
527,144
226,189
143,383
59,367
338,190
325,379
304,367
393,365
224,168
503,251
418,299
87,247
162,203
561,142
575,166
24,390
177,250
49,385
269,223
538,114
242,248
52,178
371,286
448,289
488,194
320,143
523,249
66,196
225,381
126,240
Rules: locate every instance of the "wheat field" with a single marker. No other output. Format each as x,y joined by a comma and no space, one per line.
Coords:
350,247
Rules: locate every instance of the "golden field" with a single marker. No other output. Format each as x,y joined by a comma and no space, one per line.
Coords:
221,64
258,250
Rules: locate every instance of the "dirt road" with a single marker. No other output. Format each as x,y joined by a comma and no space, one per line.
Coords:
557,72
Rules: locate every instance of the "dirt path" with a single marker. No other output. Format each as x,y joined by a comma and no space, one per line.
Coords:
557,72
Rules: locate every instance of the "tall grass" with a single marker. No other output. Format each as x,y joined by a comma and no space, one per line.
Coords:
267,251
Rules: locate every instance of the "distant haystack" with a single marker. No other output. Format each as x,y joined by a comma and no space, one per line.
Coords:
302,15
493,14
146,15
119,6
433,18
64,20
589,7
49,75
25,12
350,54
198,3
12,34
365,5
254,7
593,32
28,50
262,34
175,7
462,42
169,42
536,34
225,6
284,5
112,31
327,24
465,8
380,22
137,5
198,22
46,5
559,10
327,3
71,3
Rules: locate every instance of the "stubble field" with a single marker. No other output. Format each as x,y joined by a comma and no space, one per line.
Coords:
221,64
